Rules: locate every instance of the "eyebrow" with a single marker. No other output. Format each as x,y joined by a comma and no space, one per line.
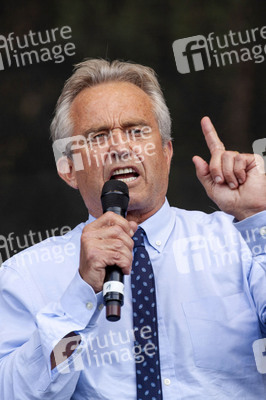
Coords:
125,124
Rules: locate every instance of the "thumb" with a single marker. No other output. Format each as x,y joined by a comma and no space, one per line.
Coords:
133,226
202,171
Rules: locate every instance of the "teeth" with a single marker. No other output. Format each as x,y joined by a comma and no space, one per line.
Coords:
133,178
123,171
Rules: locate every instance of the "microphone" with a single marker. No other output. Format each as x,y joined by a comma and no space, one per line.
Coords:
114,198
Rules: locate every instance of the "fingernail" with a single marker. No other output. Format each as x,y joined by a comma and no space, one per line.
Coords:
240,181
217,179
232,185
131,233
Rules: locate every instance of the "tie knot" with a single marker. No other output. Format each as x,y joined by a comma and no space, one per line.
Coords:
139,237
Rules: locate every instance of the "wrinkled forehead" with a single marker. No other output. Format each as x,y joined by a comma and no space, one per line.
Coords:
111,104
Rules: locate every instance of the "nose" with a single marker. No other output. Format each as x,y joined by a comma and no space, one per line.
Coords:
119,142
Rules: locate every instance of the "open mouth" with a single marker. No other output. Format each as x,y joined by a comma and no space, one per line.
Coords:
125,174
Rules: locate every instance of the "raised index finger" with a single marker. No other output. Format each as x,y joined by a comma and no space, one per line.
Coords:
212,139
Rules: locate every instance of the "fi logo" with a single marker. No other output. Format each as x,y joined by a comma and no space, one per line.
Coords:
191,54
259,349
259,147
4,47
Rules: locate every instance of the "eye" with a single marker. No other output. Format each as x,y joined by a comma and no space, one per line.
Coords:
135,131
98,137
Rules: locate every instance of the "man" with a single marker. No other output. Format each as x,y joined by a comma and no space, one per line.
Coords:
209,270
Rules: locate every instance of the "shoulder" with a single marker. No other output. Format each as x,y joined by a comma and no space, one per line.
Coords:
41,273
194,220
51,251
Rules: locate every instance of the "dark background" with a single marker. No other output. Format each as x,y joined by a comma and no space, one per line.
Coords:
32,196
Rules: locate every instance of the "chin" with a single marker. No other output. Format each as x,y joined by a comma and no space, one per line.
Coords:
136,203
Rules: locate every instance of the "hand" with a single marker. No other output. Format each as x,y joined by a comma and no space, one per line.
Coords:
106,241
235,182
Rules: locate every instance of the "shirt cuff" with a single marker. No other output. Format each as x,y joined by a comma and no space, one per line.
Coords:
78,307
80,302
253,231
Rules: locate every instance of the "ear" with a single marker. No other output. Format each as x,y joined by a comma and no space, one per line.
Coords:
168,152
66,171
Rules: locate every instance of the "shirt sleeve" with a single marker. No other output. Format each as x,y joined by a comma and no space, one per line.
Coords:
253,230
27,340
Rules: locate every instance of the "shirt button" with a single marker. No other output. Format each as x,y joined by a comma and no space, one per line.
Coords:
100,307
166,381
89,306
263,231
158,243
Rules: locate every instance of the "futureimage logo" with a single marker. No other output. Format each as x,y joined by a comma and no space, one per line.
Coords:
12,48
95,149
11,244
192,54
98,350
259,147
196,53
259,349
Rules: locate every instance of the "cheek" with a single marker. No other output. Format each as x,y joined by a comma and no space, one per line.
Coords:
90,186
83,181
160,161
89,159
161,170
88,177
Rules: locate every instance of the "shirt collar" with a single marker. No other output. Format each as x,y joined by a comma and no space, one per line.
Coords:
159,226
90,219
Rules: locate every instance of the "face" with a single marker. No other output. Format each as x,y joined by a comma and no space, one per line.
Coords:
123,142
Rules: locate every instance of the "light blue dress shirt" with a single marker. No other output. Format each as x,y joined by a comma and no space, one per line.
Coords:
210,277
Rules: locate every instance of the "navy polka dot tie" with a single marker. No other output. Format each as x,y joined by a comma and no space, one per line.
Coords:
148,376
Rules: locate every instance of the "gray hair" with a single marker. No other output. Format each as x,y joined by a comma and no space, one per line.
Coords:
96,71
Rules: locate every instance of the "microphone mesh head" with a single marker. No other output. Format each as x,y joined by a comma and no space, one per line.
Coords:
115,195
114,186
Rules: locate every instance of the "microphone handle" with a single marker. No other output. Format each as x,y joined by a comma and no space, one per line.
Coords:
113,288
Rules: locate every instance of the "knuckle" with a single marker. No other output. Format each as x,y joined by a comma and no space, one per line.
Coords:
227,172
123,260
106,219
84,240
92,251
127,266
238,172
217,152
239,158
214,169
116,257
108,215
130,259
117,231
227,155
238,168
131,245
215,164
228,177
86,233
118,244
111,217
90,256
87,228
